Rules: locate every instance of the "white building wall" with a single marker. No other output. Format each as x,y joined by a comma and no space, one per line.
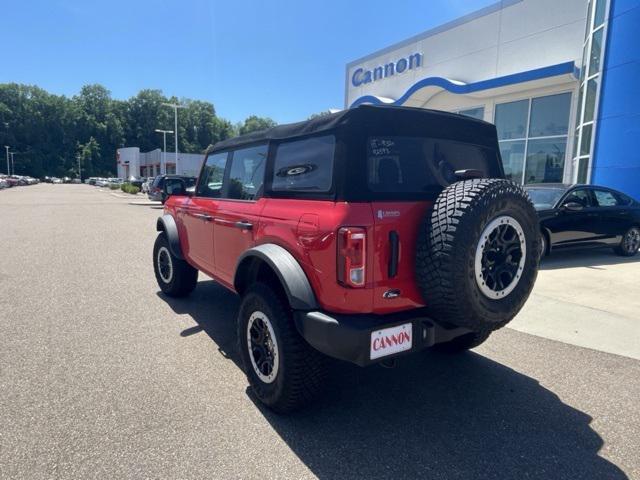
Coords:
509,37
188,163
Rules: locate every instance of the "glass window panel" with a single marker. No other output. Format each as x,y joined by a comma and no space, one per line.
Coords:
545,160
511,119
599,16
596,52
210,184
581,196
512,154
550,115
589,7
580,98
606,198
590,101
304,165
247,173
473,113
583,168
585,143
576,142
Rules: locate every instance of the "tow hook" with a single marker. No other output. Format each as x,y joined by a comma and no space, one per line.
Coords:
390,363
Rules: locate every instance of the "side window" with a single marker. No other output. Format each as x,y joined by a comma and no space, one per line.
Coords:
580,196
247,173
210,183
304,165
606,198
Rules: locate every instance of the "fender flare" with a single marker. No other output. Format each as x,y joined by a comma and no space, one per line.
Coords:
293,279
167,224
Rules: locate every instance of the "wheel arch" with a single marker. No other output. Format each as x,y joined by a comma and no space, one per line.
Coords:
167,224
270,261
547,237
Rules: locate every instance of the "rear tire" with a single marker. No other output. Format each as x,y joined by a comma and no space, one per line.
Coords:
462,343
284,372
630,243
175,277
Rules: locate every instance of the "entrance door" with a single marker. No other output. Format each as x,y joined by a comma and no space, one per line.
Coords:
238,215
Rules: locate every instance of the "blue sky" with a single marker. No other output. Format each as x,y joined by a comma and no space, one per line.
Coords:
281,58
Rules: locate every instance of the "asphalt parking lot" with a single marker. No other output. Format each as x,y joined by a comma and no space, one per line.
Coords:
103,377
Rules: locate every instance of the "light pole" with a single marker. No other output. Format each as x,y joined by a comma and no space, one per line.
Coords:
163,163
79,168
175,107
8,171
13,167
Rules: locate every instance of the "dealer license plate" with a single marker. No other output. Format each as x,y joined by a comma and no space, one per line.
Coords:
391,340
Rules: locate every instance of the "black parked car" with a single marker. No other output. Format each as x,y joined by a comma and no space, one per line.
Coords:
586,216
156,191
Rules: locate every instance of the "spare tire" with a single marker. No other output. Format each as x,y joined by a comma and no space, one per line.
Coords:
477,253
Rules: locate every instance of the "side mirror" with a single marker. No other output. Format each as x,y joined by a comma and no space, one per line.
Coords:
572,206
174,186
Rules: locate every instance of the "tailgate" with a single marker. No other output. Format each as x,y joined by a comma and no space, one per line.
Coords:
396,228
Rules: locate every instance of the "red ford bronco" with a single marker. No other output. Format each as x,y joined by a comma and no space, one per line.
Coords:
362,235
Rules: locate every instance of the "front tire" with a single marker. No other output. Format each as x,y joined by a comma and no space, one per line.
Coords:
630,243
284,372
175,277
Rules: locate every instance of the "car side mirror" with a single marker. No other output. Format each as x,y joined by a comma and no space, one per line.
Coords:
572,206
174,186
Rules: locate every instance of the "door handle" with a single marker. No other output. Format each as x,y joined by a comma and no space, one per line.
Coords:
203,216
244,225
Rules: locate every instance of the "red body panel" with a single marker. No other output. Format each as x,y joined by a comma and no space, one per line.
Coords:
308,230
405,219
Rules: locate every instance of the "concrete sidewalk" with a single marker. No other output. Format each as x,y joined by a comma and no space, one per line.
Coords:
586,298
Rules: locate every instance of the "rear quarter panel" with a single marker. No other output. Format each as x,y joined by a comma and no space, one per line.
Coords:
308,230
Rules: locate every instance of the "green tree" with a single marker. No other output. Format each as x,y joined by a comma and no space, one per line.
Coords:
49,131
254,123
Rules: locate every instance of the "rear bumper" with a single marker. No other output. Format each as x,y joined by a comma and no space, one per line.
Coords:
348,337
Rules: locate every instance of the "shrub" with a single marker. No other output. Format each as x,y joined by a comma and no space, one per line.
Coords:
128,188
114,187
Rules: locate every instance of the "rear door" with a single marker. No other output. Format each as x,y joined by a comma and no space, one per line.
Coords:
197,215
237,217
615,216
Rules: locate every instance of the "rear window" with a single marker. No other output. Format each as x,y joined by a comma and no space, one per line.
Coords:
418,164
304,165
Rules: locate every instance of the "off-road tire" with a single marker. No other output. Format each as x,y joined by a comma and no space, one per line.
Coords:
448,240
301,369
462,343
622,249
183,277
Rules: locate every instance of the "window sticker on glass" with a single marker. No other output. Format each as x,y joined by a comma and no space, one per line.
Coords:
381,146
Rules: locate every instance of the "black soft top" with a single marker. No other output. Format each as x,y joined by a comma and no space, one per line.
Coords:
413,121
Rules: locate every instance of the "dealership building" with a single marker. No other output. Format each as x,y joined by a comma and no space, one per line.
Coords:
560,79
131,161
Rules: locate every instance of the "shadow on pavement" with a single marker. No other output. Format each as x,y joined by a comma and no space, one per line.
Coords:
593,258
434,416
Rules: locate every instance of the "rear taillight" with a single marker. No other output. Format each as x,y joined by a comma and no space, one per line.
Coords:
352,256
